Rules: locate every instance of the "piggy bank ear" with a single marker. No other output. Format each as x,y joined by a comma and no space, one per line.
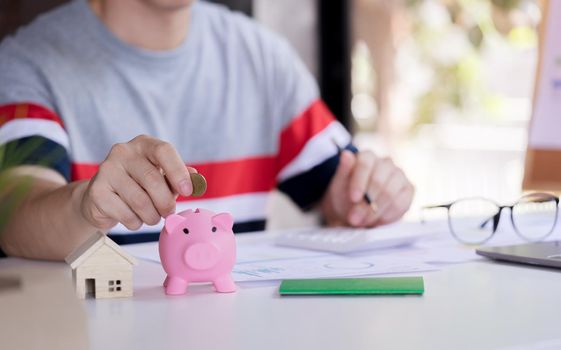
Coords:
223,220
172,222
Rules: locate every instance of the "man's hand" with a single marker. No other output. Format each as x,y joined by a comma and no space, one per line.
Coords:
387,186
130,186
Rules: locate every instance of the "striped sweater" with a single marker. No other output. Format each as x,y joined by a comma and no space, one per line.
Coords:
233,98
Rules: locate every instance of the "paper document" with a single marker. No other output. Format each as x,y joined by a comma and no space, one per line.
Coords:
259,259
323,267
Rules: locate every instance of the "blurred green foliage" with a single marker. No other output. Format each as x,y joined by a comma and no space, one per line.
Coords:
467,28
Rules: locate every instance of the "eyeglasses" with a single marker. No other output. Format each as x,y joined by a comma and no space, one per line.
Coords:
475,220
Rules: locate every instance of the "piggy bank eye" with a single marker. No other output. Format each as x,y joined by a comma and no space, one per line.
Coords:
213,228
186,231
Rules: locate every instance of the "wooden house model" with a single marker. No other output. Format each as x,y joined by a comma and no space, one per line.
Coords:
101,269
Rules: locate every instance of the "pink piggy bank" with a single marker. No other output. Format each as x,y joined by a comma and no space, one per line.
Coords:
198,246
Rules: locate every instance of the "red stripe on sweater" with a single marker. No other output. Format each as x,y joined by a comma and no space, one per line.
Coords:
302,128
13,111
225,178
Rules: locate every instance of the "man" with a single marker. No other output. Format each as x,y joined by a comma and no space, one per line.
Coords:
90,80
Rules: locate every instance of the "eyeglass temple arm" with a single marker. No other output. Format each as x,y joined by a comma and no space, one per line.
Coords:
444,206
544,200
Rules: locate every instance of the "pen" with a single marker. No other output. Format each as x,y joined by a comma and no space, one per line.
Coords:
366,197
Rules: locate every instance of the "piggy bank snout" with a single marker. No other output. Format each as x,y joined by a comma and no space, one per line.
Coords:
201,256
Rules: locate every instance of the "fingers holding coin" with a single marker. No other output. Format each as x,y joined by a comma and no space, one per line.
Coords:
198,181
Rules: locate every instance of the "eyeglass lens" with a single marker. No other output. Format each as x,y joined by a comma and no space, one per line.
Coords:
534,216
471,219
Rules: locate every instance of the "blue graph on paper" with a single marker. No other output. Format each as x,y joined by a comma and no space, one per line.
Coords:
259,272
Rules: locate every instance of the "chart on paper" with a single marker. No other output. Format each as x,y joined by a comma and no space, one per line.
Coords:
332,266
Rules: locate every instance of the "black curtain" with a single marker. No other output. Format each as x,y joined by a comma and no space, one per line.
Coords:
335,58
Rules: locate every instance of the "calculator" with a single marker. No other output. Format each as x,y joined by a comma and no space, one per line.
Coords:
349,240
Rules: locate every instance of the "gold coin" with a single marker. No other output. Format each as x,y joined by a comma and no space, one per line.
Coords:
199,184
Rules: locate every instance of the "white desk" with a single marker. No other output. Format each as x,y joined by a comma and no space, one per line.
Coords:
480,305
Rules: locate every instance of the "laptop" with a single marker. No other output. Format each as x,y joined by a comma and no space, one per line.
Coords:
539,253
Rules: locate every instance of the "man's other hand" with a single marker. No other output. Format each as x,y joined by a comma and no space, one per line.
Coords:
387,186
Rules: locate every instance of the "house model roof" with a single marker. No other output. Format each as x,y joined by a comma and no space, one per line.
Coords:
93,244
